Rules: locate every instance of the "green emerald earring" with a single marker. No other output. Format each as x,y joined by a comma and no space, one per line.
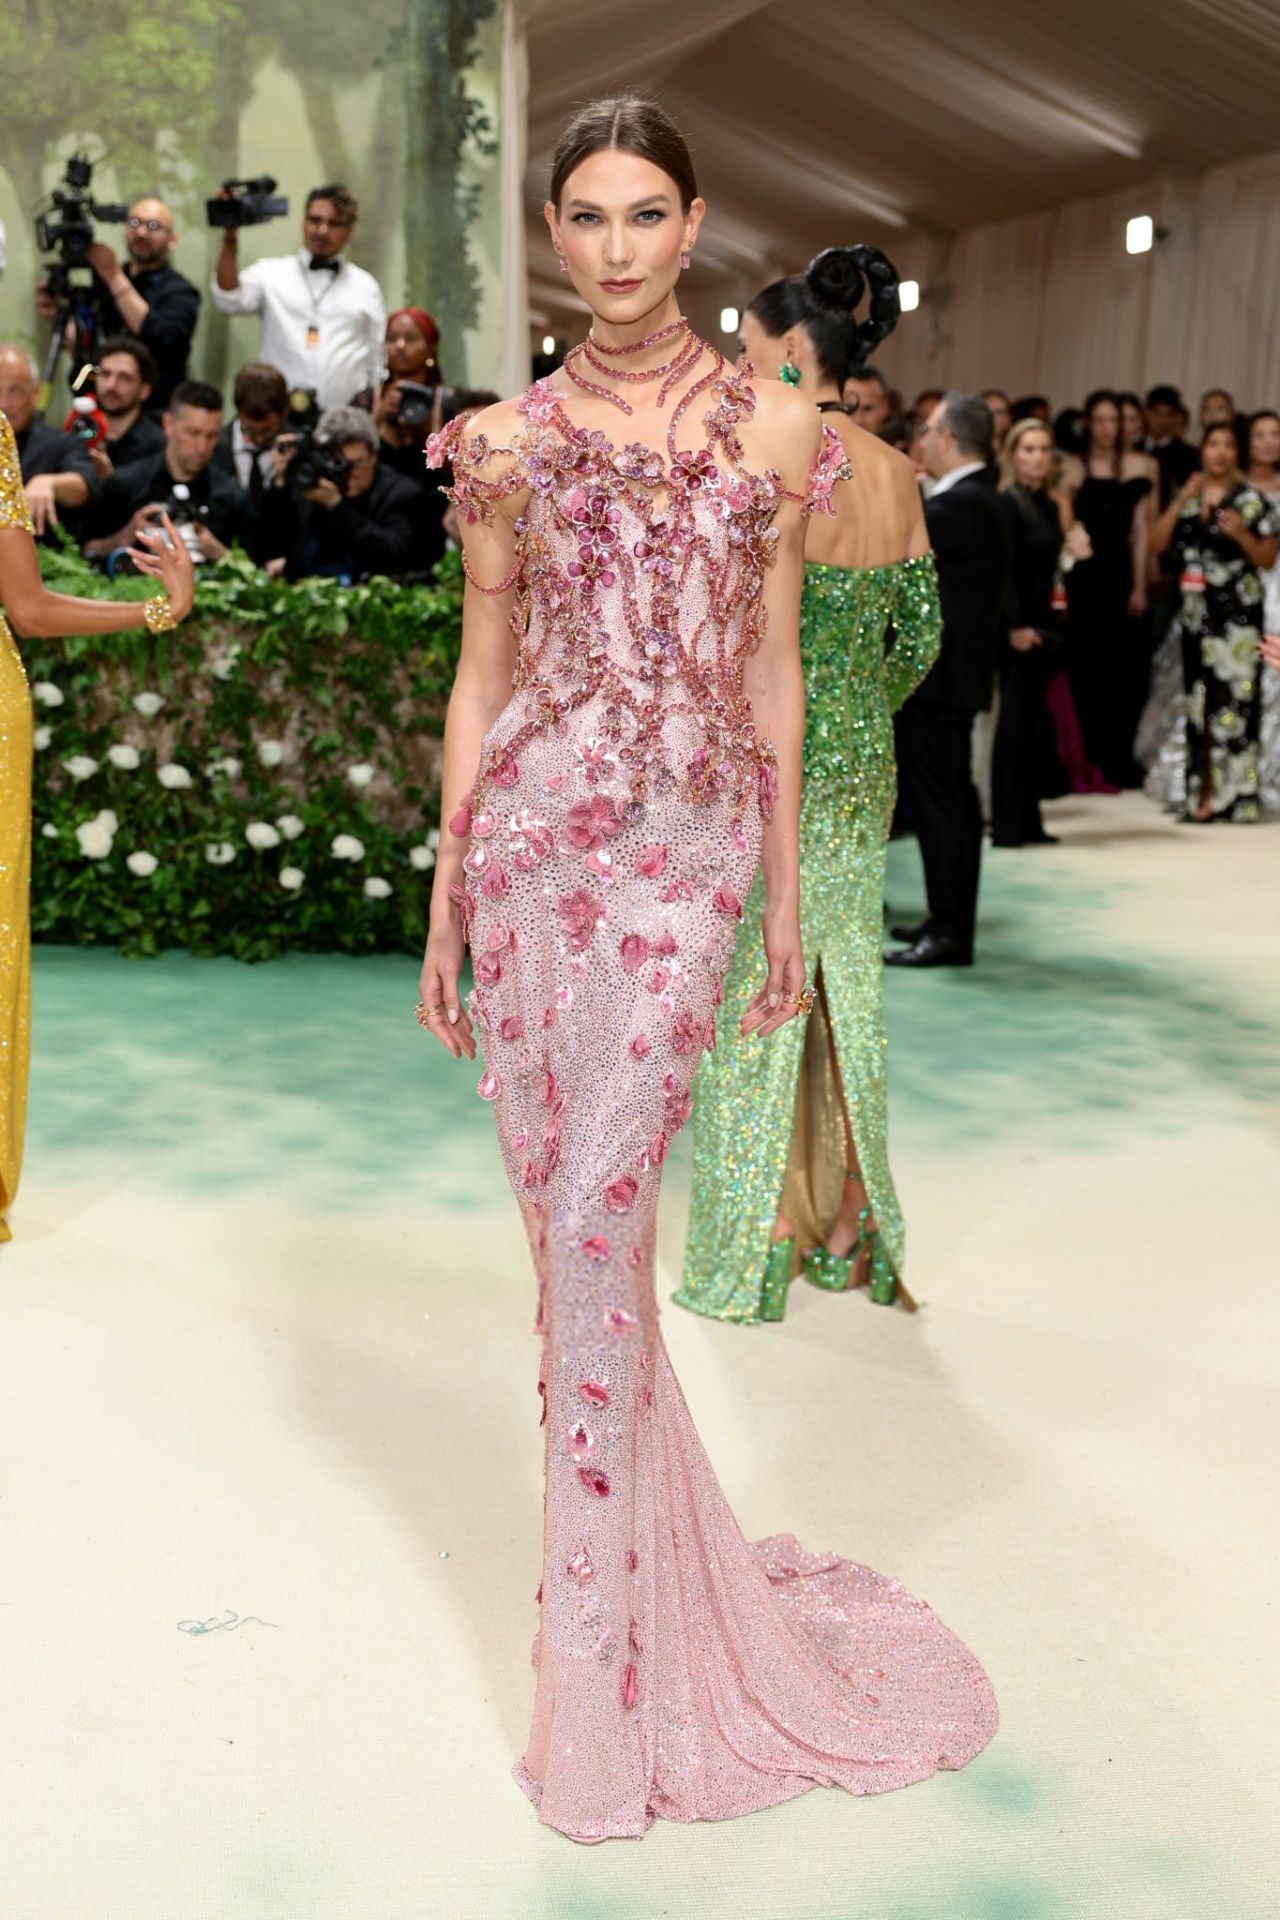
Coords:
789,374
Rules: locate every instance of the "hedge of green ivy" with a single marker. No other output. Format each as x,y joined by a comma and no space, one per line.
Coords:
264,777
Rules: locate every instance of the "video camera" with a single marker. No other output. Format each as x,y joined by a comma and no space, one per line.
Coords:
65,226
246,203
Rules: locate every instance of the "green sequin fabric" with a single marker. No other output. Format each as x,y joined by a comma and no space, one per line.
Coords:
768,1113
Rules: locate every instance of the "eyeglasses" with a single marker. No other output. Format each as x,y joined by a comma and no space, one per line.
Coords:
145,226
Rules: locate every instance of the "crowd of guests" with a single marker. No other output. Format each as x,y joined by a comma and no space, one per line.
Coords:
1143,593
318,469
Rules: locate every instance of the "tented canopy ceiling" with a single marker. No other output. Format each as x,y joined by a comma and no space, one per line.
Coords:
816,122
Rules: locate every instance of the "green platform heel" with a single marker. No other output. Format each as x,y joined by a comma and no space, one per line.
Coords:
833,1272
777,1278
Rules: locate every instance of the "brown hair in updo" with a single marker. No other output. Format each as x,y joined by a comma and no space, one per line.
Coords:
624,124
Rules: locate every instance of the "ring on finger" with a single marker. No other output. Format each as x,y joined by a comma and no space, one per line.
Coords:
802,1001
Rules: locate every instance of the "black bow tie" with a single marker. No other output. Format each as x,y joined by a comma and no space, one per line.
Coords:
323,266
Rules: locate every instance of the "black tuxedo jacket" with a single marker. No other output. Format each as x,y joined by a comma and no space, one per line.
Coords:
970,536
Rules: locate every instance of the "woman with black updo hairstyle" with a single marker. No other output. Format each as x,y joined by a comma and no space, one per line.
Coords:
804,1125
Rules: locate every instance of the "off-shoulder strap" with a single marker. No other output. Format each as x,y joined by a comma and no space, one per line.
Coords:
14,511
830,467
474,493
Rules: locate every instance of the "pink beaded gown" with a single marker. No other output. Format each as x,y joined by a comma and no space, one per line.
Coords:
614,829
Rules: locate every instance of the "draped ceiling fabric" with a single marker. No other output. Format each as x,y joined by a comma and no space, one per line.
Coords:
994,150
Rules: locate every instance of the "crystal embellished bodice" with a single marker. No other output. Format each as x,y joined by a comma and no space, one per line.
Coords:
639,587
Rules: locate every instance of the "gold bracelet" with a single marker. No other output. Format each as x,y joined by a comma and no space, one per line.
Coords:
158,614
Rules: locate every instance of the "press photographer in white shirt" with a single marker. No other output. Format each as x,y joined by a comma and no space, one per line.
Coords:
323,318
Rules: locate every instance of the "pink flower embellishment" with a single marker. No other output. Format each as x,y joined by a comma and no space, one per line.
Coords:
600,863
532,838
482,825
677,890
686,1034
511,1028
506,773
594,1481
657,1149
651,862
726,901
620,1195
659,980
694,470
640,1046
597,1395
679,1107
495,882
589,823
490,1086
635,951
579,915
597,1247
477,858
488,969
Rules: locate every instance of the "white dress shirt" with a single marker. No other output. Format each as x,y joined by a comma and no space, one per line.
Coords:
243,457
323,330
956,474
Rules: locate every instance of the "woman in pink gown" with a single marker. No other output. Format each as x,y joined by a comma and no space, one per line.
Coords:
638,582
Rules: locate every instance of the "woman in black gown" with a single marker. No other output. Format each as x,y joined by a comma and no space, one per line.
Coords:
1024,751
1111,491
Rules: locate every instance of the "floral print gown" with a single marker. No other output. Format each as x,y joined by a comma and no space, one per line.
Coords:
1221,617
614,831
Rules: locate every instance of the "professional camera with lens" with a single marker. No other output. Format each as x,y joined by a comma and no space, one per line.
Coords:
65,226
246,203
415,405
303,410
317,459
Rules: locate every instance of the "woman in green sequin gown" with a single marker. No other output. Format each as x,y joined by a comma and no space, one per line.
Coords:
790,1137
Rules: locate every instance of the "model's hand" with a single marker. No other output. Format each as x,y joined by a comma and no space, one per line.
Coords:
1270,650
774,1005
1023,639
169,563
40,499
447,1018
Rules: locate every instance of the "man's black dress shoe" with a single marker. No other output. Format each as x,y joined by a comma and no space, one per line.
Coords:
931,950
909,934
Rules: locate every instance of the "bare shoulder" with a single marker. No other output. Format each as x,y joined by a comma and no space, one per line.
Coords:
493,427
785,432
1072,474
875,456
1141,466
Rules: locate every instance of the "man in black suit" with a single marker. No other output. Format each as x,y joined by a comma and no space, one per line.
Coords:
56,469
365,522
209,509
969,534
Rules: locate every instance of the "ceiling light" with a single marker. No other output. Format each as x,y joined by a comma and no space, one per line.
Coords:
909,295
729,318
548,343
1140,234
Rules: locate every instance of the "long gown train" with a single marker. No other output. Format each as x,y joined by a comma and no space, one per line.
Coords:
612,836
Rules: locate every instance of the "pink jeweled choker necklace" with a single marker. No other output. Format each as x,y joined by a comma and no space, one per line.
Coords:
687,352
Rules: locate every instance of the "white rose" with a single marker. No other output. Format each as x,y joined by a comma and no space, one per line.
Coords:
262,836
433,838
292,878
80,766
173,776
360,776
42,736
143,864
226,769
127,758
148,704
290,825
377,889
224,665
95,836
49,831
219,853
107,819
347,847
47,694
270,752
422,858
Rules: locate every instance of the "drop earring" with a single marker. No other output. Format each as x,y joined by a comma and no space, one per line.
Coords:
564,264
686,261
789,374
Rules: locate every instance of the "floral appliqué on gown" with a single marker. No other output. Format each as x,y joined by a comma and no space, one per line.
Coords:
614,831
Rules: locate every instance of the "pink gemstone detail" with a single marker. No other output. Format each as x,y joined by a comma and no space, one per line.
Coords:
629,1686
490,1086
592,1390
594,1481
580,1567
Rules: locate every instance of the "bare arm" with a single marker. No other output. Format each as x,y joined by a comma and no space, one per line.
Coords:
1162,531
227,271
38,614
1140,551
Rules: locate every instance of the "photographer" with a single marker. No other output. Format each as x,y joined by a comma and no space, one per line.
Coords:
322,317
147,298
340,513
125,381
261,401
406,410
56,469
209,508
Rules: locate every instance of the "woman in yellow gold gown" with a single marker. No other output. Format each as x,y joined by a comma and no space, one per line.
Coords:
38,613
